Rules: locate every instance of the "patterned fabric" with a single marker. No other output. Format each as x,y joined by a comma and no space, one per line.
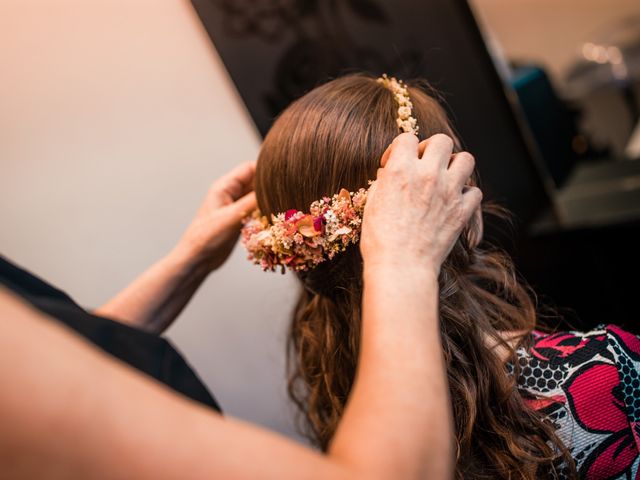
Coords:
588,385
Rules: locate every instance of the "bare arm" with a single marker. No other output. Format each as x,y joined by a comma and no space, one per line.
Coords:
156,298
403,251
406,320
89,416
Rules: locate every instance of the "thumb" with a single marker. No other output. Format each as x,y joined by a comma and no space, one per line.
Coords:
245,205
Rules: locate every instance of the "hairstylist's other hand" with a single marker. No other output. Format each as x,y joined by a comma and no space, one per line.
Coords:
419,204
155,299
212,234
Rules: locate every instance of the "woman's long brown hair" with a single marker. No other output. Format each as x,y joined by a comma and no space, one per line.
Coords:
333,138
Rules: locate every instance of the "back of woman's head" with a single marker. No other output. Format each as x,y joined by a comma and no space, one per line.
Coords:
333,138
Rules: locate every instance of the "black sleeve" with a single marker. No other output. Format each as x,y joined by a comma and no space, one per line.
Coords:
143,351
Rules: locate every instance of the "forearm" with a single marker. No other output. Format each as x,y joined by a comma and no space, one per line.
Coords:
157,297
399,410
88,416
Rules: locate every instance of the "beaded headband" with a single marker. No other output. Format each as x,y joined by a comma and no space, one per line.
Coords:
300,241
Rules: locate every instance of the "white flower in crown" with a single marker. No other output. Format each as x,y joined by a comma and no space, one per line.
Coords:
404,112
408,125
405,121
401,99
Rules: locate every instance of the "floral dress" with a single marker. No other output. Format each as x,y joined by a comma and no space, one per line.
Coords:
588,385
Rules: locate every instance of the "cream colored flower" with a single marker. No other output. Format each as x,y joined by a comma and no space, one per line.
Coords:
406,126
404,112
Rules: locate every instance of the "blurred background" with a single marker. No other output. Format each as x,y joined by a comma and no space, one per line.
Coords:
116,115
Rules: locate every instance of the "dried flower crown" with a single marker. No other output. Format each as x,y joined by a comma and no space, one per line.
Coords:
300,241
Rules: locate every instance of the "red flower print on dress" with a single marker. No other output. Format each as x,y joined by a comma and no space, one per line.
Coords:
594,396
567,347
629,341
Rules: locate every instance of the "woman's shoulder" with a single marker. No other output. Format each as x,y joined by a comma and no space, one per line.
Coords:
588,385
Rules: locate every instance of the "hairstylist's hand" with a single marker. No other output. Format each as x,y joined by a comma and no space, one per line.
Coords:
419,204
155,298
213,232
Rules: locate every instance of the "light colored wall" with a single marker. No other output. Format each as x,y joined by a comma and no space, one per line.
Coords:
115,116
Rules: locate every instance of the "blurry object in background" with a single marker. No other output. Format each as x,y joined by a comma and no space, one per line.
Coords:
610,60
275,50
555,36
632,150
551,121
598,190
592,186
605,78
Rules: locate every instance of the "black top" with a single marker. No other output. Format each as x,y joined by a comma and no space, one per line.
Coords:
143,351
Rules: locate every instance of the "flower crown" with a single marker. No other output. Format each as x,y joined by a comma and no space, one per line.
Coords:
300,241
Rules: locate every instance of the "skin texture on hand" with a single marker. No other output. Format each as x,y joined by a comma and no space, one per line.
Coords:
408,226
215,229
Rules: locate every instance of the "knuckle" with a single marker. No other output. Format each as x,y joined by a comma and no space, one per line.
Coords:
394,166
456,215
443,139
479,195
468,159
216,186
429,178
405,139
423,172
451,190
398,140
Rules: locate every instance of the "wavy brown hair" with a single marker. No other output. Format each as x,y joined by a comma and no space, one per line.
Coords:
333,138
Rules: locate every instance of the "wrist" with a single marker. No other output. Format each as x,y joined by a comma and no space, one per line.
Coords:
395,267
400,277
188,258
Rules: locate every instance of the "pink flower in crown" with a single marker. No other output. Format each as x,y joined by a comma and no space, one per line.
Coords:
290,213
300,241
290,222
260,240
